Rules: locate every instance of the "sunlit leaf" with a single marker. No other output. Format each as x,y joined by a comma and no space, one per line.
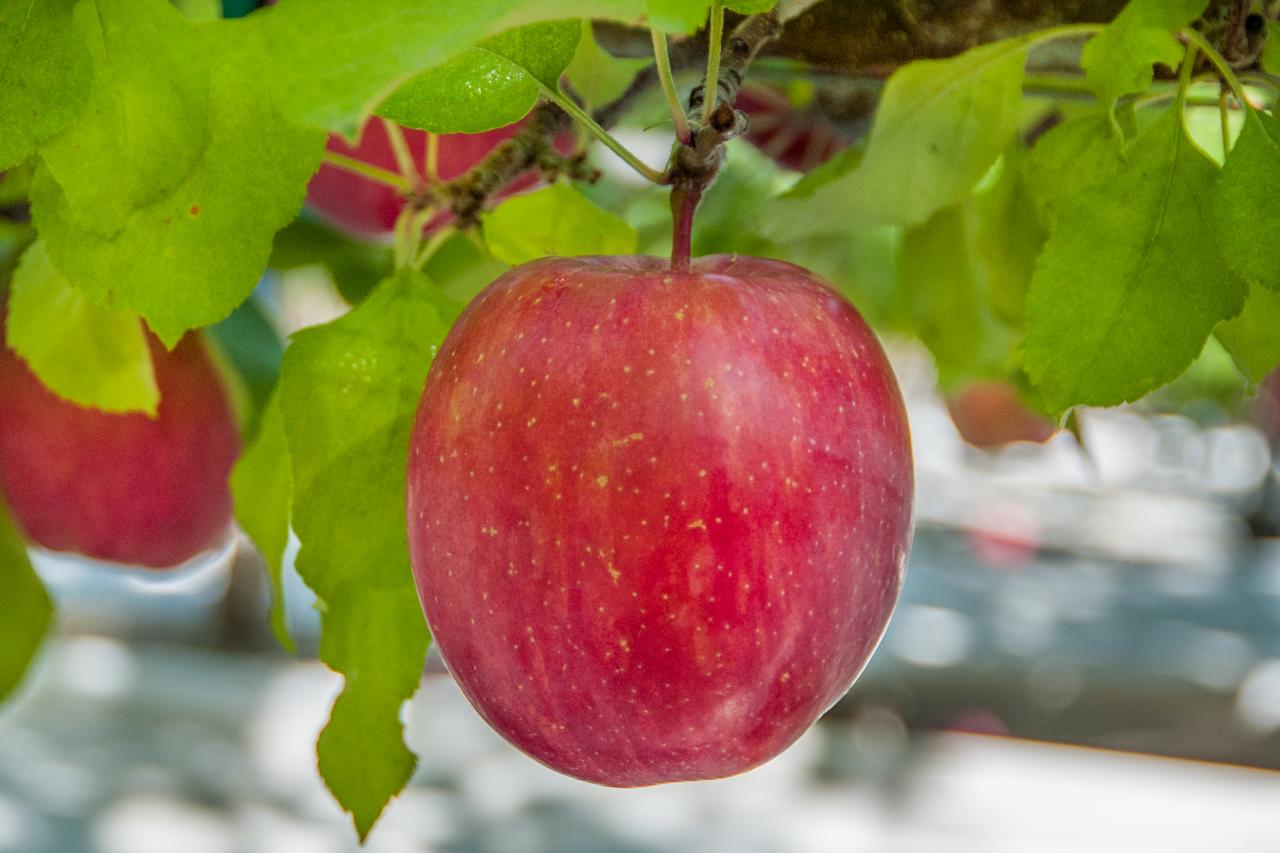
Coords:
490,85
1247,202
555,220
1128,287
1076,154
336,60
83,352
25,609
262,485
45,74
596,75
1118,61
146,124
940,126
1253,338
349,391
193,253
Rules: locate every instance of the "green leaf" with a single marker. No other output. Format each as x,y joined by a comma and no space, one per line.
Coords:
940,126
1079,153
555,220
1008,236
349,392
1118,61
81,351
677,16
1247,203
1271,49
863,266
262,485
334,60
1130,283
355,266
687,16
597,75
189,257
532,11
200,10
25,609
462,268
490,85
845,161
145,125
45,74
378,634
749,7
943,290
1253,338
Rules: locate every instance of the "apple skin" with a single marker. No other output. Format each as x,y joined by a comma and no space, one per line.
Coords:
123,488
989,414
368,208
658,521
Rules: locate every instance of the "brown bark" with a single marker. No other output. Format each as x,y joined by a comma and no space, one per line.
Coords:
872,37
867,35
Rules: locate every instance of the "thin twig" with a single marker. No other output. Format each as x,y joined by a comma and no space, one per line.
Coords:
684,54
663,64
1211,53
404,158
433,158
715,32
569,106
359,167
697,162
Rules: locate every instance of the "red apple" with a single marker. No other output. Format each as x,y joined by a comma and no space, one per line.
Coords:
368,208
124,488
989,414
797,138
658,520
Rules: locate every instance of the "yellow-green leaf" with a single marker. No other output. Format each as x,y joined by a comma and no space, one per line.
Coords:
555,220
84,352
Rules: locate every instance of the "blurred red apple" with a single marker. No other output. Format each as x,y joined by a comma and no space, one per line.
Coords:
125,488
990,414
368,208
658,520
1004,534
798,138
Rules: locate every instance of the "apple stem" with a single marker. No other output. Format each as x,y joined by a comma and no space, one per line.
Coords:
684,202
662,62
564,102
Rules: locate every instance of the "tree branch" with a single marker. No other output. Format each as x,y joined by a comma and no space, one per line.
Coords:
694,165
868,38
533,145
